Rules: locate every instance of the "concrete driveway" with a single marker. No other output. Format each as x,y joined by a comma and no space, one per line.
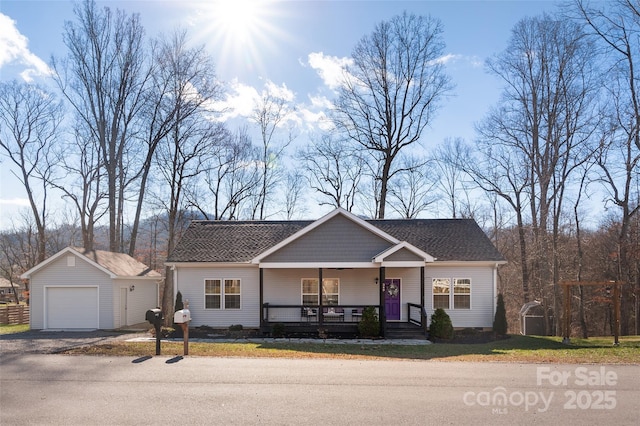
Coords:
51,342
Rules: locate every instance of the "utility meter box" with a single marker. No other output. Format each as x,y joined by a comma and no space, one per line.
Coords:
182,316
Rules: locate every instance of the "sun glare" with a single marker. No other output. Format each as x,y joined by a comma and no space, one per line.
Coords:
238,18
243,31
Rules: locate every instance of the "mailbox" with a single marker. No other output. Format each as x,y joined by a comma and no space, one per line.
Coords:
182,316
154,316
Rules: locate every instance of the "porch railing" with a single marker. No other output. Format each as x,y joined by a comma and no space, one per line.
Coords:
312,314
417,315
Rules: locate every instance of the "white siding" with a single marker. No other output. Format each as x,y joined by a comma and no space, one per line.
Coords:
482,294
143,297
82,274
190,282
284,286
357,287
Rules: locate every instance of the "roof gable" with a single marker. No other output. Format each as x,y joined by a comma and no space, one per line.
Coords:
403,254
445,240
337,237
116,265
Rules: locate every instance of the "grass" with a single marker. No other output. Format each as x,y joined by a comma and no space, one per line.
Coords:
11,329
515,349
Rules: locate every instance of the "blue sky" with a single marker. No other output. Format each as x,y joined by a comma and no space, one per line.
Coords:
289,45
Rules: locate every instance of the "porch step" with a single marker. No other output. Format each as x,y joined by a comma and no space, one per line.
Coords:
404,331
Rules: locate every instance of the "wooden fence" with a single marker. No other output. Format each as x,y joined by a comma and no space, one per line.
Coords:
14,314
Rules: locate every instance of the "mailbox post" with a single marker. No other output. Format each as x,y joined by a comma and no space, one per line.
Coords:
182,317
155,317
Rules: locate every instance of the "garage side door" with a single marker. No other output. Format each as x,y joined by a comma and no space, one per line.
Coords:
71,307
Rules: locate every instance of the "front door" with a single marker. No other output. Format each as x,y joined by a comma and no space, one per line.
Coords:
123,306
392,298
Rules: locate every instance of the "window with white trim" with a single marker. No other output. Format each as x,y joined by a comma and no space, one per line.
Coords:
449,292
441,293
222,293
461,293
232,294
330,291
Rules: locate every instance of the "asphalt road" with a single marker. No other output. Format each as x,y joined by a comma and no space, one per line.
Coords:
83,390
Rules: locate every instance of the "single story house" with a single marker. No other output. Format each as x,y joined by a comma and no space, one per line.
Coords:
258,273
7,289
80,289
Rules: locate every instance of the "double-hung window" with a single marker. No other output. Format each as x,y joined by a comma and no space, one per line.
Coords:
441,288
330,291
222,293
449,292
461,293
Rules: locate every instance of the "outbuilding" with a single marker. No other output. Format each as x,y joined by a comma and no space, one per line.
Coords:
80,289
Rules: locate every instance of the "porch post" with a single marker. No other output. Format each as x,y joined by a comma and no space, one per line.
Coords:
423,315
383,315
261,299
320,313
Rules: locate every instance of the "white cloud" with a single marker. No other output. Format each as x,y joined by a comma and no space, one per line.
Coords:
16,202
321,102
329,68
447,59
14,50
281,92
240,100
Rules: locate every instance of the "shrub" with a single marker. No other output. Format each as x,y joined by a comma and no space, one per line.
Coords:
441,327
235,327
500,324
277,330
369,325
178,306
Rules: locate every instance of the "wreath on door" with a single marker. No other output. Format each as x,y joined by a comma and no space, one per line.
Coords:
392,290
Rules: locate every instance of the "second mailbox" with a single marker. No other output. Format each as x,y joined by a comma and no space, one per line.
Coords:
182,316
154,316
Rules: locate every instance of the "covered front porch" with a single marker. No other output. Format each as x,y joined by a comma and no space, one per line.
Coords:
293,299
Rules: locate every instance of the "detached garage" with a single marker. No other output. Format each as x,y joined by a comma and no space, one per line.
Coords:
79,289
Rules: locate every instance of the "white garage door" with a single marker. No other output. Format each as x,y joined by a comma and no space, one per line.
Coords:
71,307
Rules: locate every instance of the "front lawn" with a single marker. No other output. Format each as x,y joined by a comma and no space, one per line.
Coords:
515,349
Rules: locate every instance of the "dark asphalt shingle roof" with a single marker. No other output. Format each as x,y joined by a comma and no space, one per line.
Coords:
241,241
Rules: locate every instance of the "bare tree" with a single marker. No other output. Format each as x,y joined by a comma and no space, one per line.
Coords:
501,172
391,91
29,120
448,161
82,181
545,121
104,78
176,110
270,115
231,178
293,194
334,170
616,25
413,190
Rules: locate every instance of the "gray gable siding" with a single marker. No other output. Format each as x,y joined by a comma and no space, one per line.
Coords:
403,255
337,240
